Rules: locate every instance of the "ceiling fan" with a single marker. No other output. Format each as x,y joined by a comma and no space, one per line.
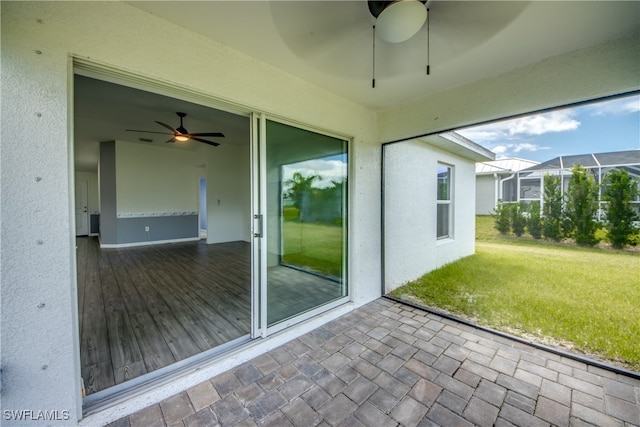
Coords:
180,134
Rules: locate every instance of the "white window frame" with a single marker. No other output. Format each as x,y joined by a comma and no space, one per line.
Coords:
448,202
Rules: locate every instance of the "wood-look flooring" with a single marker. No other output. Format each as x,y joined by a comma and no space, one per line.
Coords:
141,309
144,308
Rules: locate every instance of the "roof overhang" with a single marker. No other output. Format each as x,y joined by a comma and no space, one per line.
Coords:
459,145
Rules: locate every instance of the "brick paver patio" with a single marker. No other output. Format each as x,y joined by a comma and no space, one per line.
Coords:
389,364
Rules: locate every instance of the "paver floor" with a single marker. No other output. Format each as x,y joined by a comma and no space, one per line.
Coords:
389,364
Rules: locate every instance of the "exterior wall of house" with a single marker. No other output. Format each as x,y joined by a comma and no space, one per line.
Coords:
38,312
485,194
411,247
39,336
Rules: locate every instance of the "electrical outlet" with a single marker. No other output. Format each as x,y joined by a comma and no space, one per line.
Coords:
146,228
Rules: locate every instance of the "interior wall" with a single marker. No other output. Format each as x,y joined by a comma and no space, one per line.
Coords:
151,179
228,194
107,183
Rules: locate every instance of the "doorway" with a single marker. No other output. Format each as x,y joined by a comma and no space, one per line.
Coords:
152,295
82,208
304,208
157,298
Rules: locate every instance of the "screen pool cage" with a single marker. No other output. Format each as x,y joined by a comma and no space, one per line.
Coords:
527,185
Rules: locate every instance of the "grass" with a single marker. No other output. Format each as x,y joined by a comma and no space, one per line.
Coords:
315,247
586,300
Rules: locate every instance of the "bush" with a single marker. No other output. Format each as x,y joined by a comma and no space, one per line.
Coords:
518,221
582,206
501,217
552,209
620,191
534,222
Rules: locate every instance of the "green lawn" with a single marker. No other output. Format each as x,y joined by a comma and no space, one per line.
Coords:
587,300
315,247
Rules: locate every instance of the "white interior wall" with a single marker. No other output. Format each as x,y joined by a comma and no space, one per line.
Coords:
152,179
228,194
411,248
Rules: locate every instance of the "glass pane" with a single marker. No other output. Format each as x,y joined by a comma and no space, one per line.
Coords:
530,188
443,221
444,181
509,191
306,220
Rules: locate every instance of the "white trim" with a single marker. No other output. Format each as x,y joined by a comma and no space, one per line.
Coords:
155,214
149,243
77,363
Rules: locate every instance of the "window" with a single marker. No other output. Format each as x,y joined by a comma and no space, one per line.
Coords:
443,226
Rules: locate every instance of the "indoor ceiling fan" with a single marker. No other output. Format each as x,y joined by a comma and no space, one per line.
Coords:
180,134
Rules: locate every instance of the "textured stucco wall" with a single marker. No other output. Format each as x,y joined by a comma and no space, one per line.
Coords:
608,69
39,325
411,248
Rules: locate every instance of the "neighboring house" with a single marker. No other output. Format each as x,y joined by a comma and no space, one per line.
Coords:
492,178
291,117
528,184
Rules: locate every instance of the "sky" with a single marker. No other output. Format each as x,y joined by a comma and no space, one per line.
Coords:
607,126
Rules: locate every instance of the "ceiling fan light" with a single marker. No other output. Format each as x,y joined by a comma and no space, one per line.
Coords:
181,138
401,20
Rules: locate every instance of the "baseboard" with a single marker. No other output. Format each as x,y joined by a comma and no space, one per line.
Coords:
147,243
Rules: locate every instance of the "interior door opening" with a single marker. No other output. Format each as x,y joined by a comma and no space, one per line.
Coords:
82,208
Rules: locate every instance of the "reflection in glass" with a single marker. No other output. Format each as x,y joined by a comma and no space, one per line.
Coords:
306,220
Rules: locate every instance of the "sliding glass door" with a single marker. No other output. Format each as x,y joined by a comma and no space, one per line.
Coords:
302,224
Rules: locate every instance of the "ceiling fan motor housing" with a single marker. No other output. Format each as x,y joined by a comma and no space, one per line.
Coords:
399,20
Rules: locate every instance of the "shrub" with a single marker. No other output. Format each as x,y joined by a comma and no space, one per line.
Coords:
620,191
518,221
582,206
534,222
501,216
552,208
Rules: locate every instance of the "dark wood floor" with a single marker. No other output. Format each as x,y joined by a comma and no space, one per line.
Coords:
141,309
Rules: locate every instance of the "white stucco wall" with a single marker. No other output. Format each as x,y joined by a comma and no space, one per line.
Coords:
411,248
485,194
39,326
